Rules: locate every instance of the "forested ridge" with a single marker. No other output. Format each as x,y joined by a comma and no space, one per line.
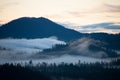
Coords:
62,71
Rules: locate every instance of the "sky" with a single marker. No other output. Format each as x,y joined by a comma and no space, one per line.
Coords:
72,12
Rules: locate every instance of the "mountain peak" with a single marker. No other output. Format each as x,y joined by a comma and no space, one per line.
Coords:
30,18
33,18
43,18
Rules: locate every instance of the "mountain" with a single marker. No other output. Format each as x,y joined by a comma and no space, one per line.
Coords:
30,28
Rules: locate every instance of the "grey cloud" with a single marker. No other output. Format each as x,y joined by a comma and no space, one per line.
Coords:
103,25
112,8
97,30
108,27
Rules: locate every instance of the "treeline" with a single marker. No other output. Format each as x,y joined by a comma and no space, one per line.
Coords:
57,47
63,71
18,72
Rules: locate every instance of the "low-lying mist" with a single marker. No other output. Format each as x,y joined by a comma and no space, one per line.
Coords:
84,49
29,45
18,49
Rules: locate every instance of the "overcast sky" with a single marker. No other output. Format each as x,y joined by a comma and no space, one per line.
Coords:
75,12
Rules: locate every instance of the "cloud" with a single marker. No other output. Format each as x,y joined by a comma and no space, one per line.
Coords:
78,14
112,8
78,50
12,50
29,45
103,25
23,49
99,30
96,9
107,27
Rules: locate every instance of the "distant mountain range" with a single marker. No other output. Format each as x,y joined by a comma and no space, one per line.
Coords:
32,28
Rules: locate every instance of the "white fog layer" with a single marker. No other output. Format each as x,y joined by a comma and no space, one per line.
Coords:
58,60
29,45
24,50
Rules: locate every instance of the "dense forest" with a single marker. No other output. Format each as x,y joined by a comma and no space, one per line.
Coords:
62,71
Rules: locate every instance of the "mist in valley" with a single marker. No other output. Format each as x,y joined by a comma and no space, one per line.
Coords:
24,50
